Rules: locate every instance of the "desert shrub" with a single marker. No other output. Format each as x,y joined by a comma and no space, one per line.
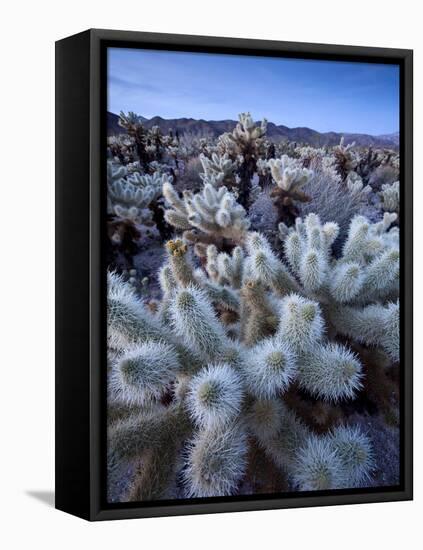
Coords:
191,179
383,175
333,200
390,196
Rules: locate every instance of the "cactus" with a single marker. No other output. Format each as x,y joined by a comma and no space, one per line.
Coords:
289,177
216,462
356,186
356,453
144,372
344,160
358,289
134,200
218,170
210,216
228,388
319,466
120,149
132,123
155,141
155,183
367,163
390,197
245,144
127,201
215,397
247,348
127,209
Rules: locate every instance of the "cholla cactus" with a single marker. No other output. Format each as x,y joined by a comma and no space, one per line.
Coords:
132,196
289,177
319,467
128,208
244,352
244,135
390,197
344,158
227,384
121,149
355,453
132,123
133,200
310,155
218,170
356,186
210,216
126,201
215,397
225,269
136,198
156,143
192,144
115,172
263,172
288,174
142,146
245,145
367,163
216,462
359,290
154,183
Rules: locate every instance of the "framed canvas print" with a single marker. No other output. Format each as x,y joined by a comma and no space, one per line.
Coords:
234,274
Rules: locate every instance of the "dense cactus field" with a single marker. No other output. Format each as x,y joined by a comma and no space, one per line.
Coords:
253,314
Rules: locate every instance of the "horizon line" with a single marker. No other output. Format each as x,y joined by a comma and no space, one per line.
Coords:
269,121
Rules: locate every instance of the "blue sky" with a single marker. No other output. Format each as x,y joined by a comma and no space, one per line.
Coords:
323,95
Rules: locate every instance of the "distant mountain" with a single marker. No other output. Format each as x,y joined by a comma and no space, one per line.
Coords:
393,138
276,132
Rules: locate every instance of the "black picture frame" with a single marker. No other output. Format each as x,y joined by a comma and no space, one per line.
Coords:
80,272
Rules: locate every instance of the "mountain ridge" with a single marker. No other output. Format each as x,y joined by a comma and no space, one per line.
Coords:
274,131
